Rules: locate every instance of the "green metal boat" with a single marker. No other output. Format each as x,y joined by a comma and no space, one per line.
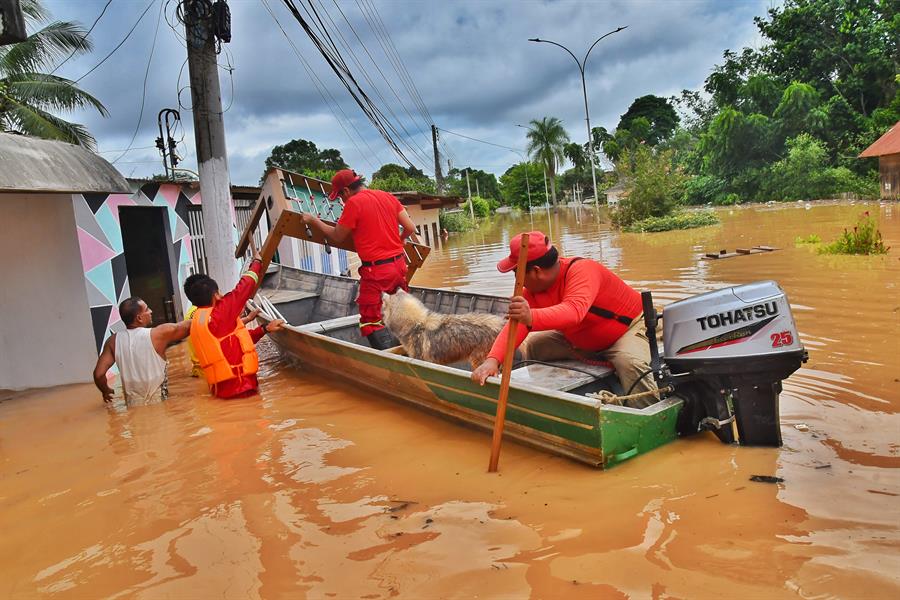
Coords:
548,405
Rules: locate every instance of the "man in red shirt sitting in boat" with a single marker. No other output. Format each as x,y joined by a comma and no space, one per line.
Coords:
577,309
374,219
225,347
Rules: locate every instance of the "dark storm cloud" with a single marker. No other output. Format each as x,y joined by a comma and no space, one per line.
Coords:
471,62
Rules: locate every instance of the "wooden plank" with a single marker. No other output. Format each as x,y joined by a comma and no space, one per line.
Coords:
252,224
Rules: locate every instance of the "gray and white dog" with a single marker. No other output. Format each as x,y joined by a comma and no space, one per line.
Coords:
436,337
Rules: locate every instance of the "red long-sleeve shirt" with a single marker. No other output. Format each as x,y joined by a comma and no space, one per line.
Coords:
221,322
564,307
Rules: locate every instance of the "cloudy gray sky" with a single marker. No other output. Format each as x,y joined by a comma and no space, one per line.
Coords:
471,62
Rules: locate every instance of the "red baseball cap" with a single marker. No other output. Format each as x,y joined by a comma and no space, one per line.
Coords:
538,246
341,180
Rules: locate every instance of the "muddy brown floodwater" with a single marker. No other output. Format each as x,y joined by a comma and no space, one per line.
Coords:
317,489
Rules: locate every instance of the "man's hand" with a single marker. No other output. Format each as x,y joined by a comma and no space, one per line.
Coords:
309,218
107,395
250,316
256,254
519,310
488,368
275,325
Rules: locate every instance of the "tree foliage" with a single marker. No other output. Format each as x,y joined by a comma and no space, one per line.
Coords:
653,185
29,97
481,182
547,139
516,182
303,156
787,120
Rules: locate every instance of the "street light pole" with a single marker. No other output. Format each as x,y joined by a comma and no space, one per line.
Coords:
587,115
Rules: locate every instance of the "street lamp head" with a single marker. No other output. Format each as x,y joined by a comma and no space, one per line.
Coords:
534,39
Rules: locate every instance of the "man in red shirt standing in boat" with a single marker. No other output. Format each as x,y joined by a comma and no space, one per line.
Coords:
577,308
224,346
374,219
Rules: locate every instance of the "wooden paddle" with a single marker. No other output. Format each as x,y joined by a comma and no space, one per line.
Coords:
506,369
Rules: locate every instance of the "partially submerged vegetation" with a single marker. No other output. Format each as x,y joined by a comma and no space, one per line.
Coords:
679,220
863,239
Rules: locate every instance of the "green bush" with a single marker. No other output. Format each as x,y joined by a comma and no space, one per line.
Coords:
654,185
864,239
703,189
727,199
456,221
681,220
482,207
810,239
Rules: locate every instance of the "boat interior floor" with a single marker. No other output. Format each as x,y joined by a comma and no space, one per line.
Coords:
571,376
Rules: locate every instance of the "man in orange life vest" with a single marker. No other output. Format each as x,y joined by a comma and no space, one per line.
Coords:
374,219
576,308
225,347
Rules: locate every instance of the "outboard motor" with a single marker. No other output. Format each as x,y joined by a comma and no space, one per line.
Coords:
726,353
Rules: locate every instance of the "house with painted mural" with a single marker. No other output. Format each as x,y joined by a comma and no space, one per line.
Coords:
143,243
47,334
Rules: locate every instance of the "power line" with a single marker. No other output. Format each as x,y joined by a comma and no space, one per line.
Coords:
94,24
119,45
398,60
322,90
482,141
383,76
332,56
417,150
137,125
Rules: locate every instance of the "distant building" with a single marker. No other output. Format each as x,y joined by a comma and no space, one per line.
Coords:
308,194
887,149
614,194
46,332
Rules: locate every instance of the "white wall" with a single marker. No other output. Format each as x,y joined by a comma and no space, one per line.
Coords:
46,336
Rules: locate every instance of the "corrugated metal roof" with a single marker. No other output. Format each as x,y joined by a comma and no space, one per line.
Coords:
30,164
889,143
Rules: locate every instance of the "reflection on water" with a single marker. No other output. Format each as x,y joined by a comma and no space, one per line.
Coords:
315,489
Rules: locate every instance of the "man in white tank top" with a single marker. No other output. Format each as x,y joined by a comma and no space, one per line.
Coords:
140,353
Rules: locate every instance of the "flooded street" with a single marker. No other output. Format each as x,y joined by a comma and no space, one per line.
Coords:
317,490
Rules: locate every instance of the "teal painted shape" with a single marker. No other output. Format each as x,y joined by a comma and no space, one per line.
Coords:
110,227
184,259
102,278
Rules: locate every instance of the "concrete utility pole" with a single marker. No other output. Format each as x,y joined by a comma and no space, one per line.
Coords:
209,138
438,177
477,190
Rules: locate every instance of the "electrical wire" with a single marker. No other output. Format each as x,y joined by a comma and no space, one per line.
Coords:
119,45
412,89
322,90
481,141
417,150
137,125
380,72
85,36
335,61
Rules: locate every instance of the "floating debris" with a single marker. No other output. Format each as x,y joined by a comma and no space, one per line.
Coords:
766,479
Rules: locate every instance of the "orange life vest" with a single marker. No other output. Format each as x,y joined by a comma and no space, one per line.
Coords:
216,367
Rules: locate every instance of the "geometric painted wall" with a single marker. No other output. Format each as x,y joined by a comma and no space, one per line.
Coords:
102,256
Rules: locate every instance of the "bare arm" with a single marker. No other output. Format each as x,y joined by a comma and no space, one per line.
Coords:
409,229
336,234
104,362
168,333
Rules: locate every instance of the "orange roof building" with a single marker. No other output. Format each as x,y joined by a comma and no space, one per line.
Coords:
887,149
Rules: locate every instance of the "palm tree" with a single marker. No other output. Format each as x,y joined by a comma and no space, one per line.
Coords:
29,95
546,143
